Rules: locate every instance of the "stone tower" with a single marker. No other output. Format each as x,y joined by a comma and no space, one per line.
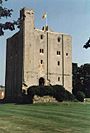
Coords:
39,57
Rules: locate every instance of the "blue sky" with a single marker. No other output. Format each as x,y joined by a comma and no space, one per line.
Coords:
68,16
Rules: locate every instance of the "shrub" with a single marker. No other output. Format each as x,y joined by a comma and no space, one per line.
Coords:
59,92
56,91
49,91
80,96
40,91
69,96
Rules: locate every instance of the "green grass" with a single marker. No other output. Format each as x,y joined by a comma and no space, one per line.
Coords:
45,118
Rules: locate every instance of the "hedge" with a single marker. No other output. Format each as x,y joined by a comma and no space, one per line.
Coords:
57,91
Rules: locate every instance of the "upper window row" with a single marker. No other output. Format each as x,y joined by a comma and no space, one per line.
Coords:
58,39
58,52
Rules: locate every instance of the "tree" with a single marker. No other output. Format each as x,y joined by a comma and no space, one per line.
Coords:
80,96
5,12
81,80
87,44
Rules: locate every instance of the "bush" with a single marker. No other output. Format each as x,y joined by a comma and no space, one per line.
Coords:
56,91
80,96
69,96
59,92
49,91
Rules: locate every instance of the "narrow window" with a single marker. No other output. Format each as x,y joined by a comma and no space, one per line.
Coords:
41,36
59,52
40,50
58,63
66,54
58,78
58,39
41,61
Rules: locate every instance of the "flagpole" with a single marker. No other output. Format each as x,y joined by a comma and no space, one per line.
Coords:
45,17
46,20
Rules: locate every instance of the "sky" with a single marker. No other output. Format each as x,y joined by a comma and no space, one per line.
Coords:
67,16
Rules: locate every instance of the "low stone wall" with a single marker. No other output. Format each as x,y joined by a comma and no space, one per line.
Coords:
44,99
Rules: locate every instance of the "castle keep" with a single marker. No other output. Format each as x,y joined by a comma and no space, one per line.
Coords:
35,57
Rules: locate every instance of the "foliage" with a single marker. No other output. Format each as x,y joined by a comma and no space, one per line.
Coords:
81,80
57,91
69,96
87,44
5,12
80,96
24,99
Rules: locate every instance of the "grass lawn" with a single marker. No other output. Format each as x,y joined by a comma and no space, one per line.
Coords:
45,118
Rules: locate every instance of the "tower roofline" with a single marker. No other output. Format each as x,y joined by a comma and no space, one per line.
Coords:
26,8
53,32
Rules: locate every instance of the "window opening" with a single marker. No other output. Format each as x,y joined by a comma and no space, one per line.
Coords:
41,36
41,61
58,78
58,63
58,52
41,81
58,39
66,54
41,50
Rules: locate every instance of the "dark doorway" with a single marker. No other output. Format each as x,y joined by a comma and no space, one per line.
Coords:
41,81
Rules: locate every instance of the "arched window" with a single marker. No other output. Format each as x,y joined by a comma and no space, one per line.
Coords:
41,81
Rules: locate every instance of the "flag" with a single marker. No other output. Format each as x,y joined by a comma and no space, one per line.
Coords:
44,16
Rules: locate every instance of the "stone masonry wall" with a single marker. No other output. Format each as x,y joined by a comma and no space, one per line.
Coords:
44,99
